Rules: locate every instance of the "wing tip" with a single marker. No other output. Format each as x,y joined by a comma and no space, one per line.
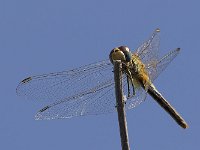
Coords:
44,109
178,49
26,80
157,30
39,115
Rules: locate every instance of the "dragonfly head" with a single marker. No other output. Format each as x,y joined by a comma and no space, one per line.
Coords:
122,53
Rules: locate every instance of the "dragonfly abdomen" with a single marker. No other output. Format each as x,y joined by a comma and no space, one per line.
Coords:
166,106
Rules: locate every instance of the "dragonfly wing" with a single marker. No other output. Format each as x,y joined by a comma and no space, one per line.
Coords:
99,100
56,86
149,50
155,68
93,102
149,54
134,100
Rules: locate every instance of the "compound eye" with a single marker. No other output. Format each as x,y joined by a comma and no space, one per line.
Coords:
126,52
117,54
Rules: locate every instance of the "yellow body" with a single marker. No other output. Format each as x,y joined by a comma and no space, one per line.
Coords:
134,68
138,71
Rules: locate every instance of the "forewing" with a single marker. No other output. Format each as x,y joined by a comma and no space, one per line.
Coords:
155,68
149,54
149,50
57,86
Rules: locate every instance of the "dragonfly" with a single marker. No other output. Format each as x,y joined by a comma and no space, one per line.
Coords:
90,89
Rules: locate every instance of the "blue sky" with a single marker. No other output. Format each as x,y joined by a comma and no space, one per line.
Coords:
43,36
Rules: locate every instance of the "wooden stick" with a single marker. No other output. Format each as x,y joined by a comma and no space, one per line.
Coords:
120,105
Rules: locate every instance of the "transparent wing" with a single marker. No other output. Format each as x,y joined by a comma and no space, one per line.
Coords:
95,101
93,86
134,100
55,86
156,67
149,54
149,50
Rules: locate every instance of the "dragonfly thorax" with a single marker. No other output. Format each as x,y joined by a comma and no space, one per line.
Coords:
122,53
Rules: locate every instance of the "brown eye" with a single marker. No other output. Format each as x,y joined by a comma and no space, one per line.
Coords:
126,52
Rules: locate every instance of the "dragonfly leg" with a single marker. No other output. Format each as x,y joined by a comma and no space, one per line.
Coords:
129,93
130,78
133,87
